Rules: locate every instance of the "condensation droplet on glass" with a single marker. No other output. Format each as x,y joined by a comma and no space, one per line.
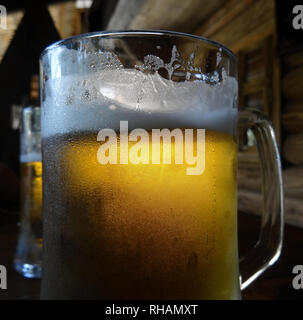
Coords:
86,95
192,261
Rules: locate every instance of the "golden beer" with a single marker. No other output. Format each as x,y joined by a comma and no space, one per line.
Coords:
144,231
29,248
31,197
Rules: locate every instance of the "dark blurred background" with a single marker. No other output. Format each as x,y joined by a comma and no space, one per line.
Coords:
261,33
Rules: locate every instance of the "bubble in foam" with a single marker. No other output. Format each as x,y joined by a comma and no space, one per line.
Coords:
108,61
112,107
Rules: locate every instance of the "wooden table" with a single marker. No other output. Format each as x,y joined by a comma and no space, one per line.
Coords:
275,283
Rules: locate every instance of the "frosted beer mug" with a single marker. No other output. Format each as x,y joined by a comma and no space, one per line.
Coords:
140,170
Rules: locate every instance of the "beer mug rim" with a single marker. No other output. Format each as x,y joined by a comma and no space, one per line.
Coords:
144,32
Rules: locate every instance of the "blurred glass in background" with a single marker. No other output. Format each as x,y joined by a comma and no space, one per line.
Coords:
28,254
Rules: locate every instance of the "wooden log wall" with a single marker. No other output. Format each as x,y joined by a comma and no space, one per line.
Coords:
292,113
241,25
176,15
250,198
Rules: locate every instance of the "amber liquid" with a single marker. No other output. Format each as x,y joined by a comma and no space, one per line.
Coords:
31,195
29,248
142,231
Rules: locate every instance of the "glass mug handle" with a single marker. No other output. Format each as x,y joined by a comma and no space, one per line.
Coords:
268,247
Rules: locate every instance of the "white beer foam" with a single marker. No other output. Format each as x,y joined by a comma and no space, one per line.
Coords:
31,157
102,99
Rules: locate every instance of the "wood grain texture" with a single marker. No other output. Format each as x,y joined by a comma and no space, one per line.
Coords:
250,24
293,106
177,15
223,16
292,121
124,13
293,60
250,198
251,202
249,158
250,179
276,101
293,181
66,18
293,149
292,84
